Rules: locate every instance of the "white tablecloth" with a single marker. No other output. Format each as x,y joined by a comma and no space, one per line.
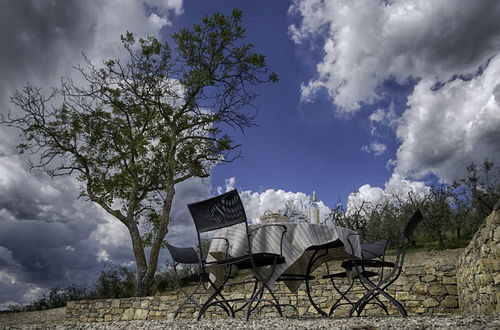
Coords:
297,239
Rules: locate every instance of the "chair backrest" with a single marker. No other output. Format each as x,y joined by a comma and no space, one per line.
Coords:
218,212
412,224
374,250
184,255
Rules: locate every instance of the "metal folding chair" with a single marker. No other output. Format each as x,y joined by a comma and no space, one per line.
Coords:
369,251
198,278
377,274
225,211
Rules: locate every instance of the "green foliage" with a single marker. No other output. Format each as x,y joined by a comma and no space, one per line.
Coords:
452,212
115,282
166,279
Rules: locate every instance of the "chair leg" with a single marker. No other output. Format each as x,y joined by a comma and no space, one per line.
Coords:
212,300
372,294
367,301
343,296
263,281
189,298
255,287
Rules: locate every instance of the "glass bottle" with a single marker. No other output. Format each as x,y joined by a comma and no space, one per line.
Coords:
314,210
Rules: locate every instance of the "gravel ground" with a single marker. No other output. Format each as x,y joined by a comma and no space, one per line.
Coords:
54,319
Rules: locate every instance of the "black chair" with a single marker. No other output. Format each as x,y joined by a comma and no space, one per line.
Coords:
377,274
225,211
196,277
187,256
375,250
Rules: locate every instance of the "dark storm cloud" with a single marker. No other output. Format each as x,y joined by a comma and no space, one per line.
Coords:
48,237
36,35
181,229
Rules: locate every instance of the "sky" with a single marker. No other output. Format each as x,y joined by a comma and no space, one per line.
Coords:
374,97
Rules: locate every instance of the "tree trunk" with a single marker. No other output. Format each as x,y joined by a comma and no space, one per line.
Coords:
146,276
144,283
140,260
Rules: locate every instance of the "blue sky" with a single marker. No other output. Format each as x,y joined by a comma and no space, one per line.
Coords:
375,98
297,146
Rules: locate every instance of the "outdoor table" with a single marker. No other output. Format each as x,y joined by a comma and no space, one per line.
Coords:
305,247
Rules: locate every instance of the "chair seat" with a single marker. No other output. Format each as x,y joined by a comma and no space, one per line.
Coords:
365,273
193,279
350,264
245,262
294,277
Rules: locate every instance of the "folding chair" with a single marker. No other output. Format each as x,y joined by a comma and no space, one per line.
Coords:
369,251
225,211
377,274
198,279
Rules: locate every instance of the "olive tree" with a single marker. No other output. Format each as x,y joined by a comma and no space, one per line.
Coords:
137,127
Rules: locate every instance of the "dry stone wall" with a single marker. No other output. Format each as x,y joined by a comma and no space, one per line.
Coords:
479,269
427,286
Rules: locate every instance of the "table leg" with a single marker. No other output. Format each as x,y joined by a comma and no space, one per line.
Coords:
310,265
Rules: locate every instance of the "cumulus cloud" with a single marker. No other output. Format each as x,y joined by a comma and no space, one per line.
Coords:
443,130
397,185
447,49
367,42
257,203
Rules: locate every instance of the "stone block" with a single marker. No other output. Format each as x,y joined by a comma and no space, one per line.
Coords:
437,290
419,288
117,311
402,280
449,280
430,302
452,289
128,314
446,268
402,296
450,302
428,278
420,310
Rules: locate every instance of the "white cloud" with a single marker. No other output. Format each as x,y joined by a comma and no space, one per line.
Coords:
367,42
383,118
448,48
256,203
443,130
396,186
102,255
377,148
114,17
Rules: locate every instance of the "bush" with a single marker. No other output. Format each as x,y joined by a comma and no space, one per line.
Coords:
113,282
54,298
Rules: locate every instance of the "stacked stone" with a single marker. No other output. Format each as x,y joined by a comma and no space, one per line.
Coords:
427,286
139,308
479,269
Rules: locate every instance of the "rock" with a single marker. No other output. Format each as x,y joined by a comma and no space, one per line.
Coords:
430,302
